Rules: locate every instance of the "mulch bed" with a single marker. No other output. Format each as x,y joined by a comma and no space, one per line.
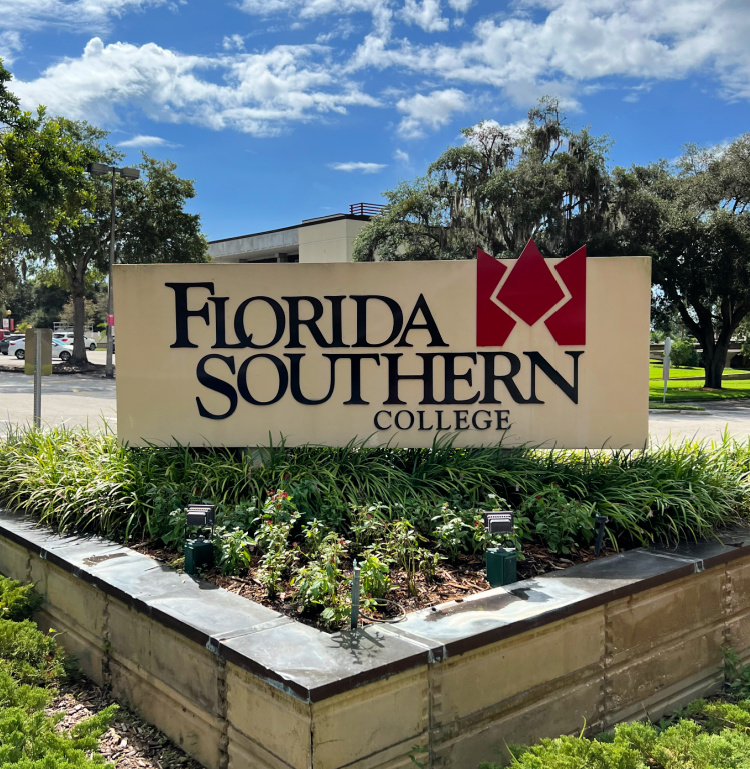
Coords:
93,370
452,581
130,742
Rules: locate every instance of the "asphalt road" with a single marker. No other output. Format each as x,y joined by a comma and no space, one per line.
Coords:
68,399
74,400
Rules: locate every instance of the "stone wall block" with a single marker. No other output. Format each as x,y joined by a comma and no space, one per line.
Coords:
479,679
265,715
189,669
385,719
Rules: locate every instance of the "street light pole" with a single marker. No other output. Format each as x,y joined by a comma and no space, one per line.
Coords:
109,370
100,169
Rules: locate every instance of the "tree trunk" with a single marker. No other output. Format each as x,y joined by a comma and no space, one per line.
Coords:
77,288
714,367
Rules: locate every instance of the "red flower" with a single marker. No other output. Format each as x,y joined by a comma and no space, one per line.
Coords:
287,476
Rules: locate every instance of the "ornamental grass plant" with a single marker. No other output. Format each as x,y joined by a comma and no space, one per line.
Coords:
76,480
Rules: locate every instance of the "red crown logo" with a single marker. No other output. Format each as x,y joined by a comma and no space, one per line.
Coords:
530,291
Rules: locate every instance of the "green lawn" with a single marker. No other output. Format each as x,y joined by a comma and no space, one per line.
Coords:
679,391
655,370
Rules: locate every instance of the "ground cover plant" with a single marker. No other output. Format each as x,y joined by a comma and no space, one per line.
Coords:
707,734
30,664
293,525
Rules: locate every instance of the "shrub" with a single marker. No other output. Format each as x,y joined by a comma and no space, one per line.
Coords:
28,655
29,739
560,522
683,353
637,746
321,585
17,601
375,576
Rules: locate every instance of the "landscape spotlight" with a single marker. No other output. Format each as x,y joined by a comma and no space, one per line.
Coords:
199,552
100,169
501,561
499,523
201,515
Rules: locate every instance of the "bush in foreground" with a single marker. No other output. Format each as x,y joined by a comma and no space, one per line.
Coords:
707,735
29,739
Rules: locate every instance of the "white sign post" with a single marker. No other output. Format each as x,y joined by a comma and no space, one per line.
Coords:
38,348
665,368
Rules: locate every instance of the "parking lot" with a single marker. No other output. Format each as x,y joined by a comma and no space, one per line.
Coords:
67,399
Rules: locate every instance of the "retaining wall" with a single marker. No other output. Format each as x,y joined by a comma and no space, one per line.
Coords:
239,685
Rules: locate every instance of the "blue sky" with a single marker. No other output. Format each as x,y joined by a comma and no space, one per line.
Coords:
288,109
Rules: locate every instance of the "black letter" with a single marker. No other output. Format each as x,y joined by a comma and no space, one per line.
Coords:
394,377
502,419
440,425
312,323
337,327
486,424
462,419
490,377
217,385
451,376
393,306
411,418
246,340
571,390
379,426
221,324
181,312
421,422
294,379
355,375
429,325
242,380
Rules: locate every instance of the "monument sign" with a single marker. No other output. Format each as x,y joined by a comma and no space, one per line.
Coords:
535,351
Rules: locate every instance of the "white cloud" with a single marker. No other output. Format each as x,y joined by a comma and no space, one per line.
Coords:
380,10
255,93
141,142
365,168
568,43
460,6
401,157
425,14
74,14
433,110
10,44
233,43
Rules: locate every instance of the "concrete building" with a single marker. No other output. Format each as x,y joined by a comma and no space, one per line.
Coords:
324,239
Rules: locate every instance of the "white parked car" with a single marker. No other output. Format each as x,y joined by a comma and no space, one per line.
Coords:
67,338
60,350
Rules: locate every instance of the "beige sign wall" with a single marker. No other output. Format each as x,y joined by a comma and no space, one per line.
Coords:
309,344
